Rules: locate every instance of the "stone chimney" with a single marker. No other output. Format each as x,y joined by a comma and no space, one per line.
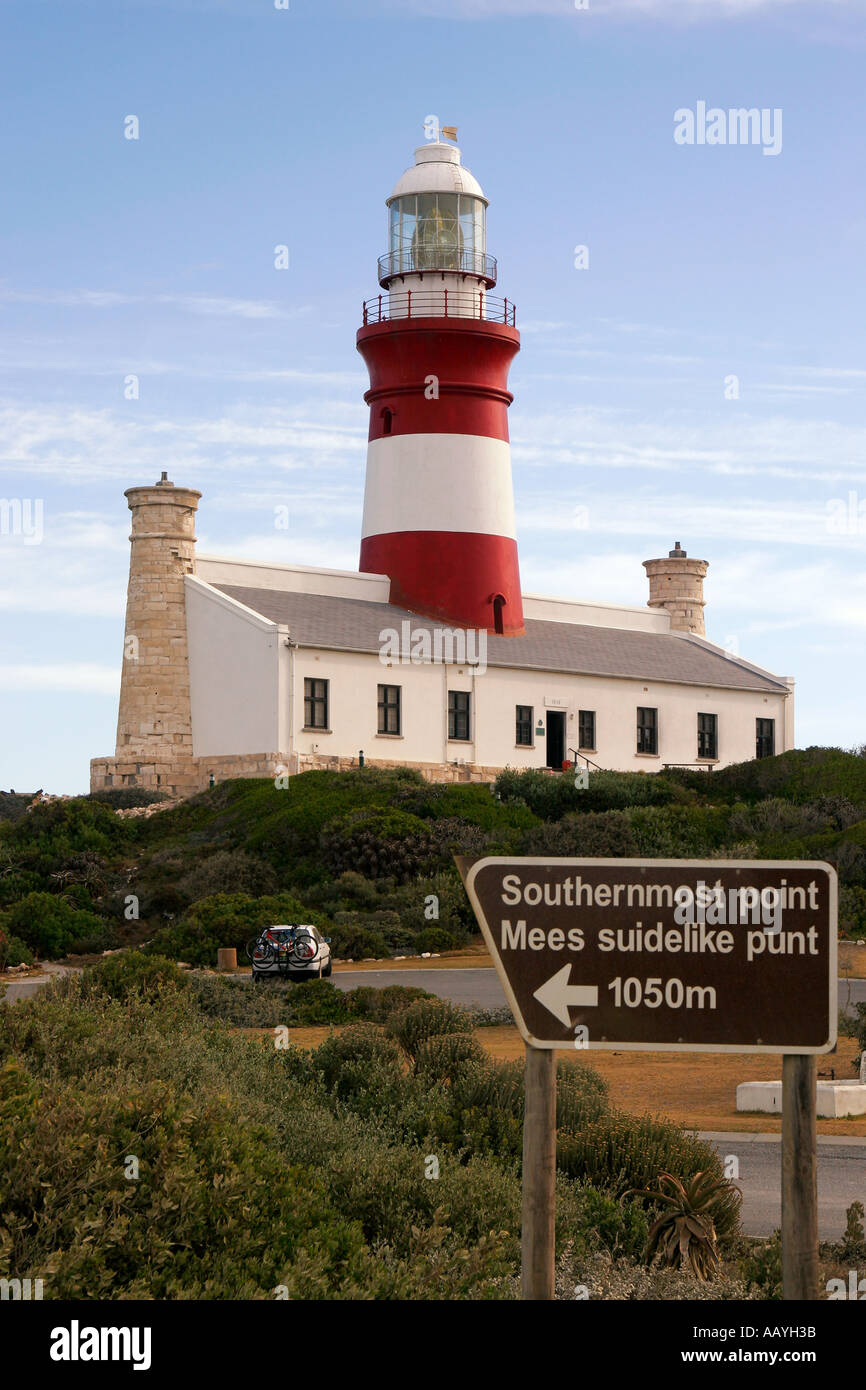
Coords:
154,724
677,584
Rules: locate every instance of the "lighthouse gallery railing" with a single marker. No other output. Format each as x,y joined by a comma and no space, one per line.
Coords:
440,303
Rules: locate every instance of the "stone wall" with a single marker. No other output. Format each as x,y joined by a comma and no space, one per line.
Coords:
185,777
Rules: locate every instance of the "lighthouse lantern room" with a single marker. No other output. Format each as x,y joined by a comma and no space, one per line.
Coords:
439,503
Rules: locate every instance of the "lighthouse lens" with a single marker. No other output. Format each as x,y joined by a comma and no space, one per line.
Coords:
436,231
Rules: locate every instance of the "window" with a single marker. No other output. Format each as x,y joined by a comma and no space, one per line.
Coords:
498,605
458,714
524,726
387,420
765,738
586,729
315,704
389,709
708,731
647,731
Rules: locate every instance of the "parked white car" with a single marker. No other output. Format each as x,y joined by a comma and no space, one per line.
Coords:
296,950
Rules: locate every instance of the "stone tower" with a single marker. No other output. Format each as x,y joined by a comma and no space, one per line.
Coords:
154,725
677,584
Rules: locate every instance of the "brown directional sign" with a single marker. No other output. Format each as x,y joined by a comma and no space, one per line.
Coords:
663,954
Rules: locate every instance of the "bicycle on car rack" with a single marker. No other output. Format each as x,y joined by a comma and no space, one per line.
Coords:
285,948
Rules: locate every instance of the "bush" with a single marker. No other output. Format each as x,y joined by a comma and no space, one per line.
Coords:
357,1061
228,871
445,1056
131,972
616,1226
802,774
13,952
552,795
376,842
619,1152
122,798
378,1005
472,803
606,835
852,911
440,893
52,928
426,1019
352,941
436,939
762,1267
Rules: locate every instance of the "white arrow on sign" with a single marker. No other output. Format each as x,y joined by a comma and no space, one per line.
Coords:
556,994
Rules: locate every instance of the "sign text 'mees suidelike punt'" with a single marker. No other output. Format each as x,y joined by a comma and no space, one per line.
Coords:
660,954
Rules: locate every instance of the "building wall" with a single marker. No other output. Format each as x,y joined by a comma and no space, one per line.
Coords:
234,657
354,678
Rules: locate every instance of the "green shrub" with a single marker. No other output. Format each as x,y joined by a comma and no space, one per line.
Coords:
378,1005
435,939
122,798
197,1224
437,900
617,1226
358,1061
553,795
444,1056
852,911
56,829
619,1152
473,803
132,972
425,1019
802,774
13,952
376,842
228,871
606,835
762,1267
350,940
51,927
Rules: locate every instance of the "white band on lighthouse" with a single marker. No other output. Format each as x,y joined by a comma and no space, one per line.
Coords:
439,482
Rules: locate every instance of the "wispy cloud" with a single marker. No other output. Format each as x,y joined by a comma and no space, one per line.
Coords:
654,9
70,676
214,305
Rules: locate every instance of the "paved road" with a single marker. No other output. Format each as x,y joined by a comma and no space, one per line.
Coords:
470,986
841,1179
26,988
479,985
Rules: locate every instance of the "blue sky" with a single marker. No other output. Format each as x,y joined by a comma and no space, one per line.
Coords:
261,127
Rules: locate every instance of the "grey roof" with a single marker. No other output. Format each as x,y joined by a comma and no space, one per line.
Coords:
354,625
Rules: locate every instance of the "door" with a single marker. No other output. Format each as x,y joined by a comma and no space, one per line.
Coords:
555,738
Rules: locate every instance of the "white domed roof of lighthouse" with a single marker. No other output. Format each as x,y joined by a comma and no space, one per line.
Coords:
437,169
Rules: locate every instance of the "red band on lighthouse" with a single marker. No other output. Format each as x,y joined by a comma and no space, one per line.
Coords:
439,504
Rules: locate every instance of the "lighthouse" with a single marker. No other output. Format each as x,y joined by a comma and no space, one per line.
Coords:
439,502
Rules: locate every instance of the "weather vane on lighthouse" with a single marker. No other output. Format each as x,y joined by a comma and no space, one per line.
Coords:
438,503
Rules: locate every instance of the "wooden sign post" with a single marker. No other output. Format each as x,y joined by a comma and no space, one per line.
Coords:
799,1178
539,1175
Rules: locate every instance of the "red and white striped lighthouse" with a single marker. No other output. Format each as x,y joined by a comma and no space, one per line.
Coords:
439,503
